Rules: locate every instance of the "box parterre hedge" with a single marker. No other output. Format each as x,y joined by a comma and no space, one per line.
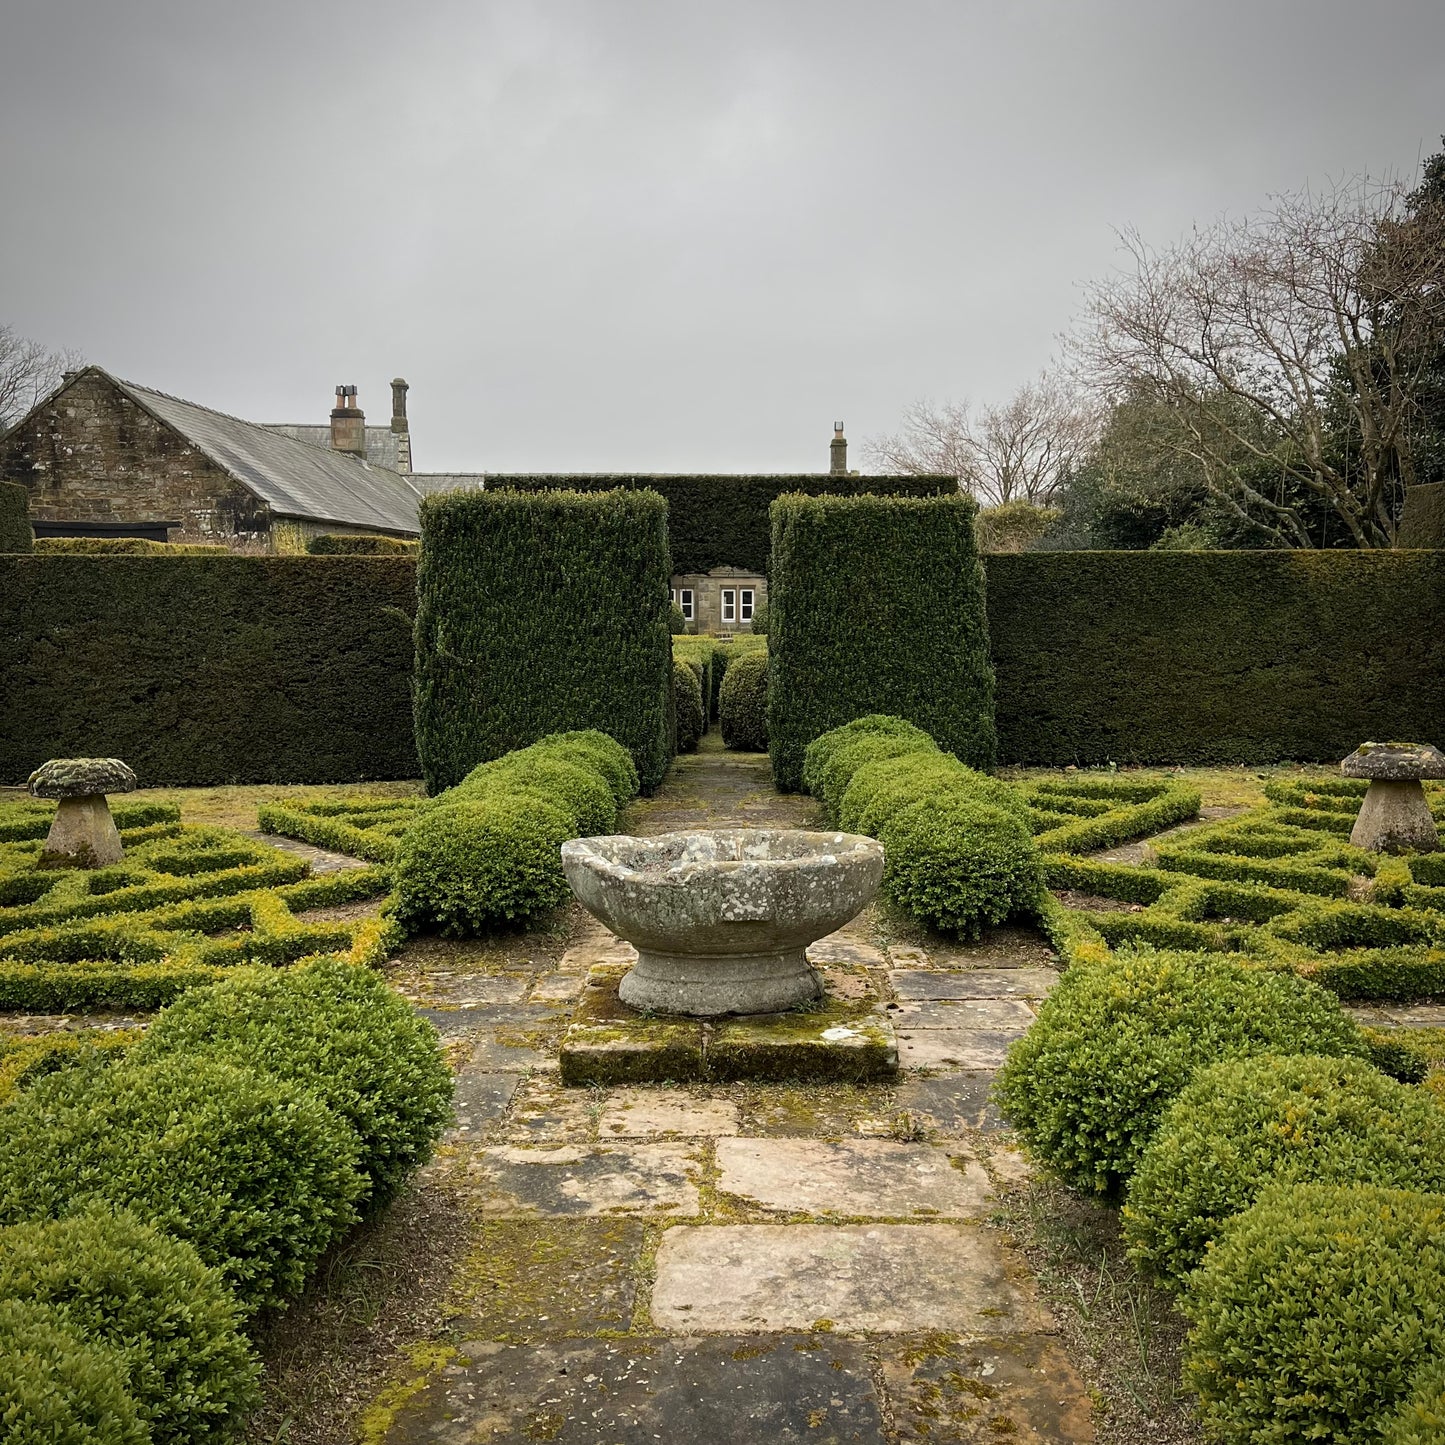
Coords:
1205,657
722,521
877,606
203,670
540,613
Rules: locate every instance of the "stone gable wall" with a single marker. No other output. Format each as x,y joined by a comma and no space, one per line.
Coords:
93,455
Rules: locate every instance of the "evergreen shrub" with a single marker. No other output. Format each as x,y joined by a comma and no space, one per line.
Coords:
687,705
337,1030
1214,657
760,620
15,533
361,544
877,606
1242,1125
538,613
743,703
1314,1312
1421,1419
126,547
485,853
1120,1037
1422,520
676,622
147,1297
722,521
59,1388
258,1174
207,670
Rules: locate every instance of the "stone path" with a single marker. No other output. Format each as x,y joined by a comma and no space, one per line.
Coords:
744,1262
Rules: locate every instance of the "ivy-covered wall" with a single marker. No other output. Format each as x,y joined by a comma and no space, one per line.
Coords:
209,669
1215,657
723,521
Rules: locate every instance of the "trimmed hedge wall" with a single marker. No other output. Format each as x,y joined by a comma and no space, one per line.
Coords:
14,517
361,544
204,670
1422,523
877,606
1214,657
541,614
718,521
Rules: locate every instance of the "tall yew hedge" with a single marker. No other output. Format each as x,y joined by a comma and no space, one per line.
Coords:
715,521
1215,657
208,669
15,535
541,613
877,606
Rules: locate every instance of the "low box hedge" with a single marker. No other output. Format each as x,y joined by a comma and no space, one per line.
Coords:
539,613
877,606
361,544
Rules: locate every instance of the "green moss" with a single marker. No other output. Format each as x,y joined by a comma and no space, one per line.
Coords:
425,1361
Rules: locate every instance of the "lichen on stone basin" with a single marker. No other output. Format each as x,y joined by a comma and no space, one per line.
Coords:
720,920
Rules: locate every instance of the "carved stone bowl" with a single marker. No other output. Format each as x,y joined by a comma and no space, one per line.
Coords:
721,920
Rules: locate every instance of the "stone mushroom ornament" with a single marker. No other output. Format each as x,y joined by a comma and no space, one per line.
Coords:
83,833
1395,816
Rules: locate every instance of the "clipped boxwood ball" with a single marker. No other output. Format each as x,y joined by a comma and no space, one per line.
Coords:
599,752
820,751
687,705
259,1175
464,868
859,751
1421,1419
59,1388
1244,1124
959,865
743,703
1314,1311
170,1319
531,774
341,1032
878,790
1117,1040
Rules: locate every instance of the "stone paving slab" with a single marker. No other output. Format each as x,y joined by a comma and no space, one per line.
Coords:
500,1052
322,860
1024,1391
544,1110
472,989
993,1014
967,1050
561,1180
856,1278
1398,1016
739,1390
558,988
852,1177
845,948
452,1021
647,1113
951,1103
538,1277
479,1100
973,983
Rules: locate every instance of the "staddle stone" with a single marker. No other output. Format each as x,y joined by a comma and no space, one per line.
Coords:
83,833
1395,816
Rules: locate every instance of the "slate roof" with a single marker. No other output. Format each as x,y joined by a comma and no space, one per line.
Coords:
380,440
295,478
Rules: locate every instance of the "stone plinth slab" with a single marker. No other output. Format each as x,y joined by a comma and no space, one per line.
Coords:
1024,1391
733,1390
571,1179
876,1177
973,983
856,1278
646,1113
842,1041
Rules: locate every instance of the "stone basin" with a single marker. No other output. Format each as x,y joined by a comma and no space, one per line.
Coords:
721,920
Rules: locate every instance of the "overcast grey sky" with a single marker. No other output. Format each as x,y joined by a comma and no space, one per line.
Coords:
647,234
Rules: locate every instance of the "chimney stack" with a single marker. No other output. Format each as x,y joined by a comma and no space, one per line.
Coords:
399,425
348,423
838,452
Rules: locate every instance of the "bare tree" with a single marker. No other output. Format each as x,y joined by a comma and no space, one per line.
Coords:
1018,452
28,371
1317,318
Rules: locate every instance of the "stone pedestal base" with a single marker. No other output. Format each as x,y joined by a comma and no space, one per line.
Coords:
707,986
1395,818
83,835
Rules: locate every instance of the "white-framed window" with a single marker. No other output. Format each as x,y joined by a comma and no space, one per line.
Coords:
730,604
683,598
745,605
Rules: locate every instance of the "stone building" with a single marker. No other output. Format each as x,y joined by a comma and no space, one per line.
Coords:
105,457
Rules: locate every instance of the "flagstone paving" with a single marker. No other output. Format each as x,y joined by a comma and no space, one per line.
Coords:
739,1262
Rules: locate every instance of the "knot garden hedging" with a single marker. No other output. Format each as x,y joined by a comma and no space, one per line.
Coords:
540,613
